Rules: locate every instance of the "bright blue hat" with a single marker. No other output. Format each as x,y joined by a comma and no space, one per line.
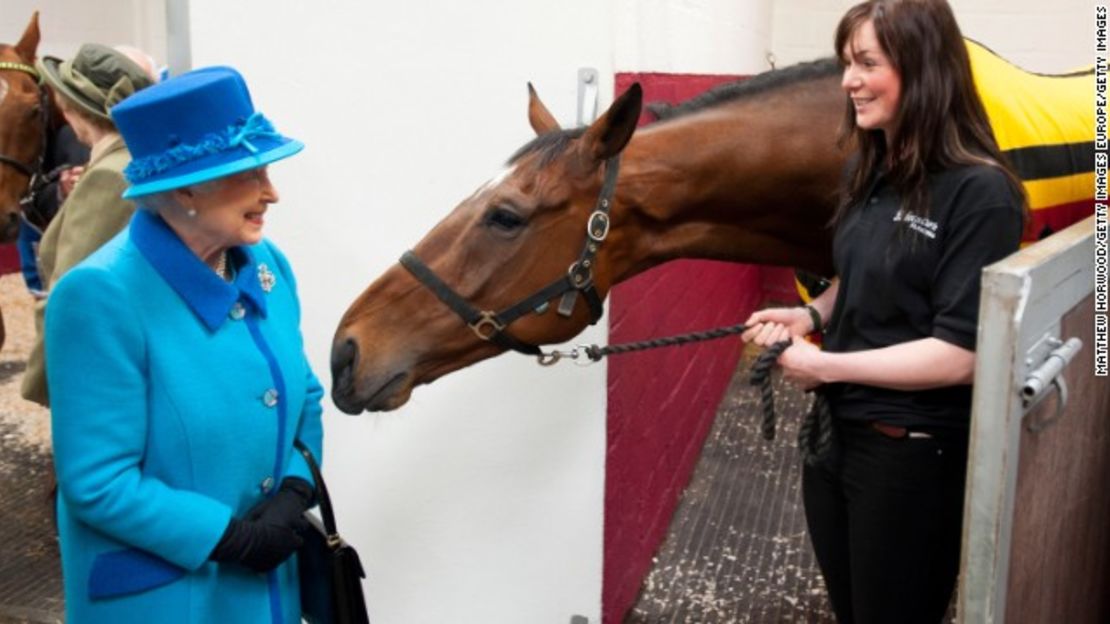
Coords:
193,128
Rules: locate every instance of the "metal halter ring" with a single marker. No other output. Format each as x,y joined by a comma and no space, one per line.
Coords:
581,275
488,319
597,228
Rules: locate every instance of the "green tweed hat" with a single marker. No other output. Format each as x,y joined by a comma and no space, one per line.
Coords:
96,79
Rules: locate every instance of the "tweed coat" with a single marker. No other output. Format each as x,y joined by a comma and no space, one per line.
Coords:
92,214
176,399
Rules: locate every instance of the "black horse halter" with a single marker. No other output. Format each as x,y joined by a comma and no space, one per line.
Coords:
491,326
34,170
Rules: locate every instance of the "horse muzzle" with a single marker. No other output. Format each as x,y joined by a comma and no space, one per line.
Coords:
354,392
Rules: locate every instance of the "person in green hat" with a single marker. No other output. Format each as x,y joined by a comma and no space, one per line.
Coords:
86,86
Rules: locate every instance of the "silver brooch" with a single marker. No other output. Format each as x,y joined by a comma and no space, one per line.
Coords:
266,278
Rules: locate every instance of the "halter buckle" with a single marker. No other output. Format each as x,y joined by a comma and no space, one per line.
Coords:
487,320
597,227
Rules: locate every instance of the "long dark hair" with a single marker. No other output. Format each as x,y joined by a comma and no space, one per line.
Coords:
941,123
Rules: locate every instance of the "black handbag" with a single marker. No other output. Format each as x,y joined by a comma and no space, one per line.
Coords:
330,571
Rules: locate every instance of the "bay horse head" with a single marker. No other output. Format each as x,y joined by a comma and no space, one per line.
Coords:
746,172
25,117
514,261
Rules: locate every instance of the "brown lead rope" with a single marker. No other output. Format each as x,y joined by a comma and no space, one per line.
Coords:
815,434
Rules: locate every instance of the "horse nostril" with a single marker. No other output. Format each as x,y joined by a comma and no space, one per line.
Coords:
344,357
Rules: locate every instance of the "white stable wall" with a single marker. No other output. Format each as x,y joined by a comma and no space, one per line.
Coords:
66,24
1051,37
693,36
480,500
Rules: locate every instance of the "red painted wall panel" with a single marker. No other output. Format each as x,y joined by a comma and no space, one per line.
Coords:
661,403
9,259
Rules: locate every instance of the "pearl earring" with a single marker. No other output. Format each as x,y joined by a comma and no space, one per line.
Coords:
192,213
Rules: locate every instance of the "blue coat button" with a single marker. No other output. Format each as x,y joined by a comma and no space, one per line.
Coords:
267,485
237,312
270,398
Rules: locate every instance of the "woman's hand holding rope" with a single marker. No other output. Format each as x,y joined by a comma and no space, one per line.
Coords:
801,362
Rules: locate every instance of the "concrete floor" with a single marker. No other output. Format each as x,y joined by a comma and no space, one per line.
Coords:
30,575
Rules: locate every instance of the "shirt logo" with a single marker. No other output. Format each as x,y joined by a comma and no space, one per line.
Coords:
918,224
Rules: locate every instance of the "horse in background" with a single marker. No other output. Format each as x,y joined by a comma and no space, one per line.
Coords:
35,145
747,172
28,119
24,127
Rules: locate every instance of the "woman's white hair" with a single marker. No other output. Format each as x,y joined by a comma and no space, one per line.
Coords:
159,202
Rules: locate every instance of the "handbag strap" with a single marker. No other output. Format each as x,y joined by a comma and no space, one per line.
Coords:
321,492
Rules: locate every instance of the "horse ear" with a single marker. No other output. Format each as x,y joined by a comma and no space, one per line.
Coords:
607,136
28,45
541,119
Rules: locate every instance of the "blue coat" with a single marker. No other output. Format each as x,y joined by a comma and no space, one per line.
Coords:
176,400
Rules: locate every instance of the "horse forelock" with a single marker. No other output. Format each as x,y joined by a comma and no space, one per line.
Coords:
9,53
765,83
549,146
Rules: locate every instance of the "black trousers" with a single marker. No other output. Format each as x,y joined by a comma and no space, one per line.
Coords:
884,516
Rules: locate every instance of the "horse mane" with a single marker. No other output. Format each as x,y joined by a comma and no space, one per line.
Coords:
760,83
550,145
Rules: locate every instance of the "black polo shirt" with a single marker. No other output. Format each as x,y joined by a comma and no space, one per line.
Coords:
925,283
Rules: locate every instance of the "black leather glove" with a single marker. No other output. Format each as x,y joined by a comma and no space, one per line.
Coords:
270,532
258,546
287,506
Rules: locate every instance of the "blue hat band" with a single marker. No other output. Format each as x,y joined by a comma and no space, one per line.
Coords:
256,127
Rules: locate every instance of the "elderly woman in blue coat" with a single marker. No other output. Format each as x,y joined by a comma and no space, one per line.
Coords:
177,369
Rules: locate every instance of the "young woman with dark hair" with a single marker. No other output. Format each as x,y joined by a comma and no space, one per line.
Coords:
928,202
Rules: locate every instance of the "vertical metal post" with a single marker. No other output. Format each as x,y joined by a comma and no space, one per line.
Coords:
587,95
179,50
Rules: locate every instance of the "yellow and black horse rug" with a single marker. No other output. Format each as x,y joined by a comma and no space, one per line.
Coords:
1045,125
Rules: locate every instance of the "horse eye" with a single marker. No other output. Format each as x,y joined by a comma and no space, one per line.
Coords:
504,219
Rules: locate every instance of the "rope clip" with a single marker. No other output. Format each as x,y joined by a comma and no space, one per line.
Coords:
554,356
